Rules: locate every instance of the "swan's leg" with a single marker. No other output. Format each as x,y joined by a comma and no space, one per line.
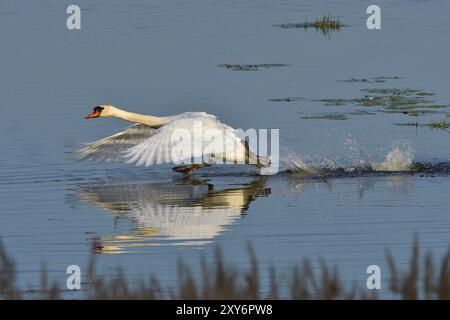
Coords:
254,159
188,169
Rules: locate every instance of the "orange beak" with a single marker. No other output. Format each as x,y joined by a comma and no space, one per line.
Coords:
94,114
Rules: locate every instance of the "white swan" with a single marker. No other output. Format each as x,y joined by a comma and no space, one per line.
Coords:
187,211
196,138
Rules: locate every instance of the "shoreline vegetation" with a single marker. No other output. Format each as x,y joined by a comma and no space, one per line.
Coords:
218,280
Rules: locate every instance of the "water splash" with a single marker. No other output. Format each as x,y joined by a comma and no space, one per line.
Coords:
397,159
400,158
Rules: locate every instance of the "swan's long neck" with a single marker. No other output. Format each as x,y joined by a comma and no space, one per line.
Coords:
150,121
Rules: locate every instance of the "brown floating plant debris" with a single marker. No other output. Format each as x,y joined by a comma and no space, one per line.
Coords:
251,67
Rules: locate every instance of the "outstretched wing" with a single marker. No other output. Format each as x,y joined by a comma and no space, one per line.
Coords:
180,142
112,148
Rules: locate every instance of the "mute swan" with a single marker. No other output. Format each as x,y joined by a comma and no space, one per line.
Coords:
173,139
188,211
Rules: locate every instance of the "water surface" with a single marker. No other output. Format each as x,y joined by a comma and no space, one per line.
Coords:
163,58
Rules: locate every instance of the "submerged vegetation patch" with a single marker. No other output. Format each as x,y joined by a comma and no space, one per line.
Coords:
335,102
442,124
408,124
326,25
408,101
409,112
287,99
370,80
393,92
362,113
251,67
327,116
386,98
412,102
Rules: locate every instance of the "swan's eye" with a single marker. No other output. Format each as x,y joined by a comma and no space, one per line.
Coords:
98,109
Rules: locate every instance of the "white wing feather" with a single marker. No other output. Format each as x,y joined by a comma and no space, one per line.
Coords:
182,134
112,148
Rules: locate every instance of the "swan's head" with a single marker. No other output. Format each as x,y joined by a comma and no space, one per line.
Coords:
103,110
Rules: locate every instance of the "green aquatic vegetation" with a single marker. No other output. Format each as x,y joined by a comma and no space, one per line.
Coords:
327,116
286,99
442,124
355,80
416,113
326,24
370,101
397,101
336,102
434,106
414,110
370,80
416,106
402,108
387,98
362,113
408,124
410,112
387,78
251,67
409,101
424,94
390,92
390,101
378,101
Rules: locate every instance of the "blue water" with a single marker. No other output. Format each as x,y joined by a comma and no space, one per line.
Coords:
162,58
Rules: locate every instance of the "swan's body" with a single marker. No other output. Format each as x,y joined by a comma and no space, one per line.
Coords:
157,140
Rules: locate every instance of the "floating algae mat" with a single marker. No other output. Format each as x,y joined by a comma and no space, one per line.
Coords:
408,124
398,92
442,124
328,116
362,113
363,80
251,67
439,125
338,116
410,112
407,101
326,25
370,80
337,102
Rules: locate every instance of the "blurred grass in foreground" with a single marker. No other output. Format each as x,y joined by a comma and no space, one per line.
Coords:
219,281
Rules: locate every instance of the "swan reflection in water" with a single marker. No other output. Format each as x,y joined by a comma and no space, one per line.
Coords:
187,212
